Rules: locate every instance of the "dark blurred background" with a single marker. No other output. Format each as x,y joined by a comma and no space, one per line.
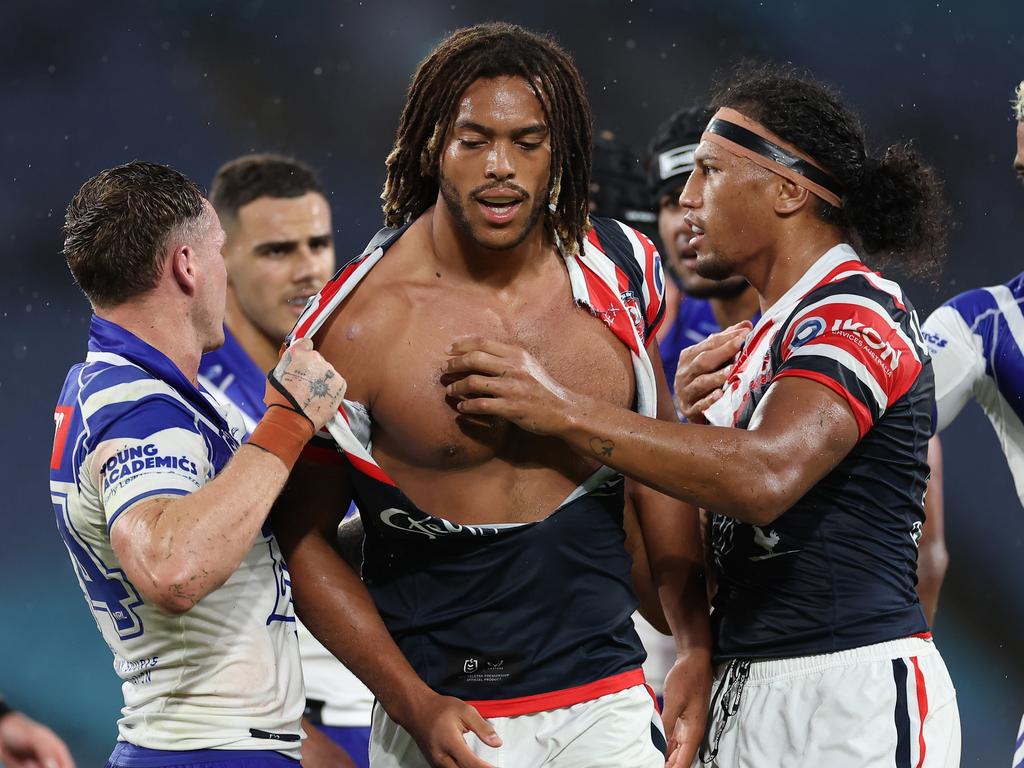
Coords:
89,85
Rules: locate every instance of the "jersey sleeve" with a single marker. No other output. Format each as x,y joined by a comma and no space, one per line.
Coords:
153,449
853,345
654,279
641,276
957,359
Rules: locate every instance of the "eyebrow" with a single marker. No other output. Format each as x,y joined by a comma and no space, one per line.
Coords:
469,125
291,245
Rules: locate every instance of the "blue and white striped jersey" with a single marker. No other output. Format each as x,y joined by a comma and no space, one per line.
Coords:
224,675
977,346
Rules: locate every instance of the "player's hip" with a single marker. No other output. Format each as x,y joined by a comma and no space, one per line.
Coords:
885,704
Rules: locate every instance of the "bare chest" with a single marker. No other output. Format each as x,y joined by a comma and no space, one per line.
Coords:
417,426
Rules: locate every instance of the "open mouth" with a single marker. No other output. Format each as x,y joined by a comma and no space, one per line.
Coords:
499,208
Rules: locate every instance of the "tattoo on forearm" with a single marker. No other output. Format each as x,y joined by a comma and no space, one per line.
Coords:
602,448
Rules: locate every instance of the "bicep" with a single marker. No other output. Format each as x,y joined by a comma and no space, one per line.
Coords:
133,539
804,428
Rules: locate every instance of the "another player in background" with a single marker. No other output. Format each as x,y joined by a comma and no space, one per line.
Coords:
695,306
501,566
162,511
817,467
977,346
618,190
24,743
279,251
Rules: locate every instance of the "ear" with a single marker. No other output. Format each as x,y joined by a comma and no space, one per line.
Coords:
789,197
182,265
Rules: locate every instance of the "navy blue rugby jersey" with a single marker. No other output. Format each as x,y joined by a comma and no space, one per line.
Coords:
514,618
838,570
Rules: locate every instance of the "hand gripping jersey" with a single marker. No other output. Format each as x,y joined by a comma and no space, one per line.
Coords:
230,375
514,618
225,674
838,569
977,345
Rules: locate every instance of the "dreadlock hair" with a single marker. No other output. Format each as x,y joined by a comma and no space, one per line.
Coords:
488,51
1018,103
892,202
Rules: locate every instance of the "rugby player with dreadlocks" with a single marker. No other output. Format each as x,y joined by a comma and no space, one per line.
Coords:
498,561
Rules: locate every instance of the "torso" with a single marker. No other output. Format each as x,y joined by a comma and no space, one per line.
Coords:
390,341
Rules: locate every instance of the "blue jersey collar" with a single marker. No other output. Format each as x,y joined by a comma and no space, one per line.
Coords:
109,337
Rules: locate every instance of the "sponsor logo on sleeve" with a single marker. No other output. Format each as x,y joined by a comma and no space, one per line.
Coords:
810,328
138,458
872,339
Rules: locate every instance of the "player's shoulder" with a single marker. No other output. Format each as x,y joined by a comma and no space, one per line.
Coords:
856,291
125,394
621,243
977,303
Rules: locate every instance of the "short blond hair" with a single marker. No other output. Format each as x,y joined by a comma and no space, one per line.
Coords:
1018,102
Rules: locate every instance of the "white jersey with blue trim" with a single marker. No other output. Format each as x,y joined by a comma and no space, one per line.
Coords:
225,674
976,341
231,376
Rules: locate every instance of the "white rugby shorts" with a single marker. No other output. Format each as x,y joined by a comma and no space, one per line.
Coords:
889,704
620,730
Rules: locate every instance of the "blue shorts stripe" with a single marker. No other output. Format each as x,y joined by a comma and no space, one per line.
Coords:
902,714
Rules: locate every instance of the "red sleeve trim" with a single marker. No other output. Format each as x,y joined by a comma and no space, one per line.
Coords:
860,412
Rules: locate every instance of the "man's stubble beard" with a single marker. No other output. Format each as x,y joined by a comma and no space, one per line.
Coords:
458,211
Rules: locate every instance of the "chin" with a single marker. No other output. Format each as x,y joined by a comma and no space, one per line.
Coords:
712,267
214,343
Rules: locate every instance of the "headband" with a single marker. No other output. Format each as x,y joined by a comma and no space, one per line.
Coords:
747,138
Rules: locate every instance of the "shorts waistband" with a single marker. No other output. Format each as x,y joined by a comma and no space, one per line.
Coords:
769,670
567,697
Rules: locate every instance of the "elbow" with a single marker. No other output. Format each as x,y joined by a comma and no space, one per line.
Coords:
172,590
766,501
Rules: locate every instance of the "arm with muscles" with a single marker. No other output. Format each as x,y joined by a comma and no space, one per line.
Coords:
932,557
336,607
177,549
24,743
799,433
671,534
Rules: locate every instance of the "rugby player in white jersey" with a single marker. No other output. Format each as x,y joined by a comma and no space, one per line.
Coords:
162,511
977,346
815,468
279,251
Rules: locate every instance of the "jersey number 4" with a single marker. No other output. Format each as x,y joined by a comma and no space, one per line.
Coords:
108,589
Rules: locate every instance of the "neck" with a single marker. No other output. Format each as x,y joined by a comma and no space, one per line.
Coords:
260,349
456,252
149,319
736,308
785,261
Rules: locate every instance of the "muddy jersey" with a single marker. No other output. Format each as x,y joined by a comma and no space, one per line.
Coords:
225,674
976,341
838,569
514,618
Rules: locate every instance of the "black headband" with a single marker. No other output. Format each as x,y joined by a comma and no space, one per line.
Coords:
761,146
